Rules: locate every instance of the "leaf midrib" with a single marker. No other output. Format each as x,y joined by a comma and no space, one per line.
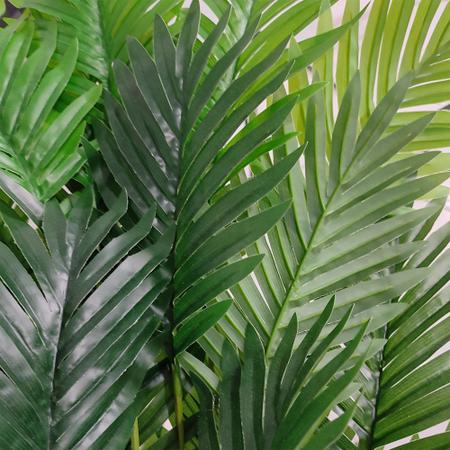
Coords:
52,401
287,298
315,230
357,149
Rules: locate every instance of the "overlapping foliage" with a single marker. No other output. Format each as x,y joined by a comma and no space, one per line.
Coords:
40,128
225,250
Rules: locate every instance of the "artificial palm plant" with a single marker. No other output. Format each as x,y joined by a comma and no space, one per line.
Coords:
234,247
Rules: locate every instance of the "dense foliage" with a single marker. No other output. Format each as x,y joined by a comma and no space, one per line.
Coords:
217,234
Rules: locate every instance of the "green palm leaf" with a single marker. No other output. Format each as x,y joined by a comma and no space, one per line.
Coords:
102,27
76,324
160,151
336,232
292,17
39,132
273,284
386,33
409,378
252,413
278,21
167,145
339,237
390,49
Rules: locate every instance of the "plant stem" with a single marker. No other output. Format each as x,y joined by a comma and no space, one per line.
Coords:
178,393
371,439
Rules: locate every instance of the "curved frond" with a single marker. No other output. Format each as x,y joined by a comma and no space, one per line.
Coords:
415,373
102,27
340,230
343,236
396,41
278,20
169,146
75,324
274,282
40,134
283,402
180,161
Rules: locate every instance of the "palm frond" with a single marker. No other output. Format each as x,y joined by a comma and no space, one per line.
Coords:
165,153
75,325
39,134
273,283
414,377
102,27
358,204
395,42
278,20
167,145
282,402
410,373
340,228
